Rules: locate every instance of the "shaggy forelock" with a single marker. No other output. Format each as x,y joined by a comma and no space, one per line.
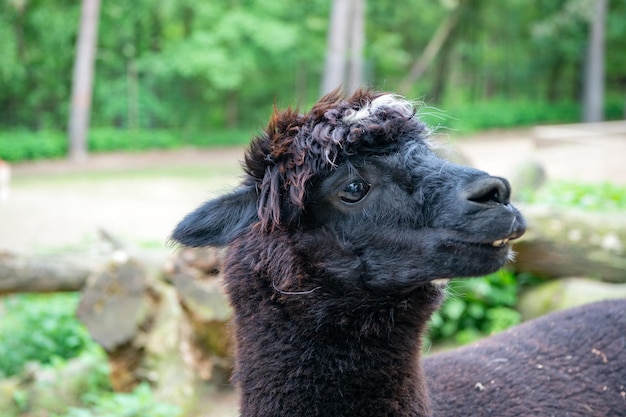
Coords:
296,148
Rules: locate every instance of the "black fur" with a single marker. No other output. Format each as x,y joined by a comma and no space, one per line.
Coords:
343,221
567,364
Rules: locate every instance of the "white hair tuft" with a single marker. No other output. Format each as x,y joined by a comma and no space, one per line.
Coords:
393,101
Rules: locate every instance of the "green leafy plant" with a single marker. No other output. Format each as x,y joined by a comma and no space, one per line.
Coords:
476,307
138,403
598,197
19,145
467,117
22,145
41,328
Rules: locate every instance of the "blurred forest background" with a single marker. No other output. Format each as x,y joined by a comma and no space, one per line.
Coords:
203,73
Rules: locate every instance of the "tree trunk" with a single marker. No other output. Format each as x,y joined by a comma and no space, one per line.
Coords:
132,93
432,49
441,76
357,42
232,109
344,52
82,79
593,89
337,46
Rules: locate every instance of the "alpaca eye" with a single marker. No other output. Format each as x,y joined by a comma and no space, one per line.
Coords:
354,191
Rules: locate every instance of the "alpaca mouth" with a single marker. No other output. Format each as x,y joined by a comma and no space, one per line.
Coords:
500,243
488,244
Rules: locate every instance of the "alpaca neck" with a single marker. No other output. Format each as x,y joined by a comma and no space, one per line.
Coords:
315,355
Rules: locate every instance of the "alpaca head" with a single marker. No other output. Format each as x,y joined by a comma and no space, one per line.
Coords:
357,191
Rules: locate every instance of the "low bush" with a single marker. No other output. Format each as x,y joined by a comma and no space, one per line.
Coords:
138,403
478,307
41,328
471,117
597,197
21,145
461,118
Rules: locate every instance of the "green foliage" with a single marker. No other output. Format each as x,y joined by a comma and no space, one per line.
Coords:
107,140
476,307
19,145
23,145
464,117
472,117
138,403
41,328
190,66
36,66
598,197
44,329
219,137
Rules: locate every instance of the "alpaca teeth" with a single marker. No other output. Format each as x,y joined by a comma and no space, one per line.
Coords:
442,282
500,243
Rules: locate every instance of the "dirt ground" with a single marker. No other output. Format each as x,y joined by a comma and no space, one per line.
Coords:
56,205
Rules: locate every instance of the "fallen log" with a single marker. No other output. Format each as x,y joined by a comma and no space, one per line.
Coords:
44,273
567,242
174,335
565,293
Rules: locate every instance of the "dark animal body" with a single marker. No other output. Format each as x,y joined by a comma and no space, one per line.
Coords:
567,364
338,239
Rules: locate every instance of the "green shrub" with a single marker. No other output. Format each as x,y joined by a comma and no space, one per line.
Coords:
20,145
111,139
460,117
599,197
476,307
230,137
41,328
469,117
472,117
138,403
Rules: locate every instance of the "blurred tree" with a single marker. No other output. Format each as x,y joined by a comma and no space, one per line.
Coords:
82,79
593,88
36,47
344,50
435,44
356,77
337,46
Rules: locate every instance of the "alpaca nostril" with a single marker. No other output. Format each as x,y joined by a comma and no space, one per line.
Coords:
489,190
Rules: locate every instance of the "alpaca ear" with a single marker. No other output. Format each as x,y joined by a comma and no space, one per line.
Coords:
217,222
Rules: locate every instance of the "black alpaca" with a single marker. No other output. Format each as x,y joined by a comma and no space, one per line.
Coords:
566,364
338,239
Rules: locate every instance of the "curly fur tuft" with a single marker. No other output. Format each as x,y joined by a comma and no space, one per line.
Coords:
296,149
